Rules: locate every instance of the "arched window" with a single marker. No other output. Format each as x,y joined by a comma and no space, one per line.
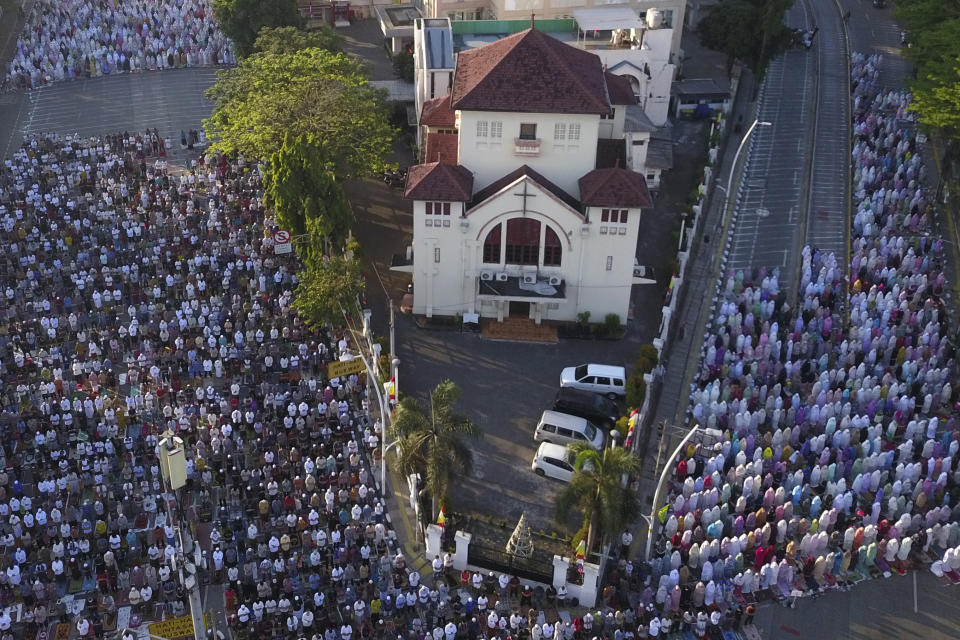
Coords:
491,246
552,251
523,241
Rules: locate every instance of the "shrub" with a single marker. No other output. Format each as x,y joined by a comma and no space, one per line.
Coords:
403,65
611,324
636,390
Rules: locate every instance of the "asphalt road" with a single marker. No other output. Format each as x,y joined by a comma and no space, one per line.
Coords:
170,101
828,205
916,605
770,194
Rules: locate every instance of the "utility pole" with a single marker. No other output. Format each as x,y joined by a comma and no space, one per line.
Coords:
173,468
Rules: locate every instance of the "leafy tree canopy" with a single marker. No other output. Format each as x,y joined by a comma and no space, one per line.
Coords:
242,20
310,92
328,288
307,197
934,34
751,31
291,39
435,444
597,491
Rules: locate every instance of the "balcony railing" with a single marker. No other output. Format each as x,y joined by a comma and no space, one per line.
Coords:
526,147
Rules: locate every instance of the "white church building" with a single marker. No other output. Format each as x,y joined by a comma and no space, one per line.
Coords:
522,207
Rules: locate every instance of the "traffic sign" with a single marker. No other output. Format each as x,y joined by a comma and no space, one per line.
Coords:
281,242
345,368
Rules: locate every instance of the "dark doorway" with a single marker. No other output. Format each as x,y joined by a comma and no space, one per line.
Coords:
519,309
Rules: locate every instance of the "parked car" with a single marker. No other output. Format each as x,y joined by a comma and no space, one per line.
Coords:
599,378
553,461
596,408
561,428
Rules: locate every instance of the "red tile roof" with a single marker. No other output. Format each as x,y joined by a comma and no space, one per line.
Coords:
529,71
619,89
614,188
435,181
437,113
513,176
443,148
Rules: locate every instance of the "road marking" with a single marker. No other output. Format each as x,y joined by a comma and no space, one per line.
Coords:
791,630
915,592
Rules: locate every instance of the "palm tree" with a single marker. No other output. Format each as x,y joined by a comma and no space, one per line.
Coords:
596,490
433,444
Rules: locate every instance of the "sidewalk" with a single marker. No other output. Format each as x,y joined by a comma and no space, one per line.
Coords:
694,309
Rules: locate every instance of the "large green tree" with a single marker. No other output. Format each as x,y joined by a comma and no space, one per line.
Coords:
597,492
434,445
309,92
291,39
328,289
749,31
933,27
242,20
308,199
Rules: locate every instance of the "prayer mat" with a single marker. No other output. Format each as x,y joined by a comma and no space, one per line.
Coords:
75,586
62,632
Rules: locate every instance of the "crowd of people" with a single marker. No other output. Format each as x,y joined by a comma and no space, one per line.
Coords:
139,299
67,39
837,419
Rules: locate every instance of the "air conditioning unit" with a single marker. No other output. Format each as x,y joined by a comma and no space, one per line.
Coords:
502,276
555,281
529,278
486,275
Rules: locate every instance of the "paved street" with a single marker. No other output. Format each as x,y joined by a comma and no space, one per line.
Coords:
828,208
880,609
771,191
170,100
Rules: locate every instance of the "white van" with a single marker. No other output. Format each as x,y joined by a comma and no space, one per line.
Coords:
561,428
553,461
606,379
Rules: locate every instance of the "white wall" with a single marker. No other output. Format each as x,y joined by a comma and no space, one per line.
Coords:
563,163
450,286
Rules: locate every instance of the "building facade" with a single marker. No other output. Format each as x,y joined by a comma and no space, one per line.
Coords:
526,203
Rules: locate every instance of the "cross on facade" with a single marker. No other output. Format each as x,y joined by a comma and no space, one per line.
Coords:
525,195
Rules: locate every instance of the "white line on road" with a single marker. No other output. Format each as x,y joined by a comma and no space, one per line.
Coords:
915,592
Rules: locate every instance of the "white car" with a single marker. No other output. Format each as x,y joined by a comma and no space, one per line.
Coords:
605,379
553,461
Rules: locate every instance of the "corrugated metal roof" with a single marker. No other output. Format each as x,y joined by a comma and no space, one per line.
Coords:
438,45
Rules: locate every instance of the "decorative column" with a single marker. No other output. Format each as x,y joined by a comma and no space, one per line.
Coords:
561,564
434,532
462,538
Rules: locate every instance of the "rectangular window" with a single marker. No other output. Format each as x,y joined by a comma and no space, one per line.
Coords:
623,216
609,116
528,131
639,143
559,131
482,128
573,131
437,208
604,215
496,129
609,263
436,254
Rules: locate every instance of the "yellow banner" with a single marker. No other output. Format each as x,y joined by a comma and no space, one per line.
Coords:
175,627
339,369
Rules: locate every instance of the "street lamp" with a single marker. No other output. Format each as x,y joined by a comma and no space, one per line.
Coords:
733,167
656,495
